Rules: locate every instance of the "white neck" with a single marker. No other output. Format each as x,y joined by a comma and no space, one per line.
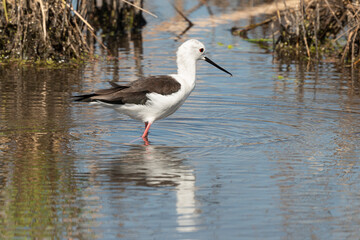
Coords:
186,69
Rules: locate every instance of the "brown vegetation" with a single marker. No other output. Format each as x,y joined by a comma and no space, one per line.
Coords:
39,29
53,30
316,28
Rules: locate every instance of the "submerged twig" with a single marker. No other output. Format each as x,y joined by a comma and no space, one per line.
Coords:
207,7
142,9
79,16
243,30
190,24
99,41
196,7
182,15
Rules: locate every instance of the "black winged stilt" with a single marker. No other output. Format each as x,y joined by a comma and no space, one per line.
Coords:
155,97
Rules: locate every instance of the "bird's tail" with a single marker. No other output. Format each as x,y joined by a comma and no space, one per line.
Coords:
88,97
84,98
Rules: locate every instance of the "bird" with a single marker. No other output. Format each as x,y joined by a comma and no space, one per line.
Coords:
152,98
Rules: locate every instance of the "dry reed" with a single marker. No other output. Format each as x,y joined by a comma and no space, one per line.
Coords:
54,29
316,29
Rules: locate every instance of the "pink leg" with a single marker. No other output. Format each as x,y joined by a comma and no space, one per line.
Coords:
146,132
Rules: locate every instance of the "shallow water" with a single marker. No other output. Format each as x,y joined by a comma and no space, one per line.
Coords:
269,153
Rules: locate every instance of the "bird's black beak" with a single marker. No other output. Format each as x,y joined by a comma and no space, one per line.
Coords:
215,65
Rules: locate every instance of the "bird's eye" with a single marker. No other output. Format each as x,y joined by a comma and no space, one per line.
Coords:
201,50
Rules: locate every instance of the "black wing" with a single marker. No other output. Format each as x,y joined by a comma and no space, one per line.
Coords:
135,92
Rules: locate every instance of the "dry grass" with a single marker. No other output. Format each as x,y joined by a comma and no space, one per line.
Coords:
39,29
316,29
54,30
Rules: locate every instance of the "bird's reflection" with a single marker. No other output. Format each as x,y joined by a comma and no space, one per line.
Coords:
159,166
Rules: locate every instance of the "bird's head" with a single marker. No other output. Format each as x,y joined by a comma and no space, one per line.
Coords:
194,50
